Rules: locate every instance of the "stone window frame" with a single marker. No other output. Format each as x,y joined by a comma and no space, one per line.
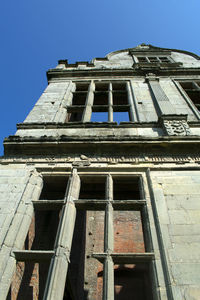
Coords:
108,257
195,88
154,59
89,107
60,255
182,91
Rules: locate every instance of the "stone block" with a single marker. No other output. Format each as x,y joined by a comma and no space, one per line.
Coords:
187,252
186,273
184,229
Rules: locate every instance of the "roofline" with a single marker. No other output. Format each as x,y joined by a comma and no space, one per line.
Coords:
154,48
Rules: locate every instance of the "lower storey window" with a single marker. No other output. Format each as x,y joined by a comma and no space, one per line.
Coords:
97,223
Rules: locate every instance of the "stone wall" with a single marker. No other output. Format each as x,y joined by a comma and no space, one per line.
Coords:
178,206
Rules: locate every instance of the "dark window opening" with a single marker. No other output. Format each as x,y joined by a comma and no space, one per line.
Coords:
79,98
92,187
75,116
192,89
126,188
142,59
100,98
75,275
119,86
164,59
28,280
132,281
101,86
120,98
42,230
153,59
83,87
54,187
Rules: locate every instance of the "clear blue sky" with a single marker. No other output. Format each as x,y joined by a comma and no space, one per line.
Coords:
36,33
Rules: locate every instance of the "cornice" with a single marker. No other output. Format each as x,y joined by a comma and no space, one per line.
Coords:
138,71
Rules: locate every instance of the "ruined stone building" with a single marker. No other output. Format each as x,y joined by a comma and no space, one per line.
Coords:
100,185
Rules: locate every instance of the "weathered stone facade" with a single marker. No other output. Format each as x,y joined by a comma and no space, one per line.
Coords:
100,185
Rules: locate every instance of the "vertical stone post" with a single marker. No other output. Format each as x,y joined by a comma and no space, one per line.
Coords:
134,101
59,263
89,103
108,272
110,104
132,112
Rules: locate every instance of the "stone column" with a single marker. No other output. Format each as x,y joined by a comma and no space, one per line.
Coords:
134,101
108,271
110,104
59,263
132,112
89,103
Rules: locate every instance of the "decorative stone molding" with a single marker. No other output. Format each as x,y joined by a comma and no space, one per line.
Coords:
151,77
114,159
175,124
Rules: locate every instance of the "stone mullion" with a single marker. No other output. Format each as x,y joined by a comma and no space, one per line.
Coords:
59,263
110,104
108,279
132,112
108,273
89,103
135,104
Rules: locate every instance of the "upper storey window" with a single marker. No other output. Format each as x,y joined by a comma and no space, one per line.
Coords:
110,103
75,111
192,88
154,59
100,102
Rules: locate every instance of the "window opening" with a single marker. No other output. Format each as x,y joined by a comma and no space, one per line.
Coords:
164,59
98,116
114,239
92,187
75,115
75,110
121,116
132,281
79,98
108,246
43,229
101,86
29,280
32,263
82,87
154,59
54,187
192,88
126,188
100,98
142,59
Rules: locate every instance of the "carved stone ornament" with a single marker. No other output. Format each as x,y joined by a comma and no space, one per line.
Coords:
175,125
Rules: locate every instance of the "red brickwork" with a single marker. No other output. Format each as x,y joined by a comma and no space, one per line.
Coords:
128,234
